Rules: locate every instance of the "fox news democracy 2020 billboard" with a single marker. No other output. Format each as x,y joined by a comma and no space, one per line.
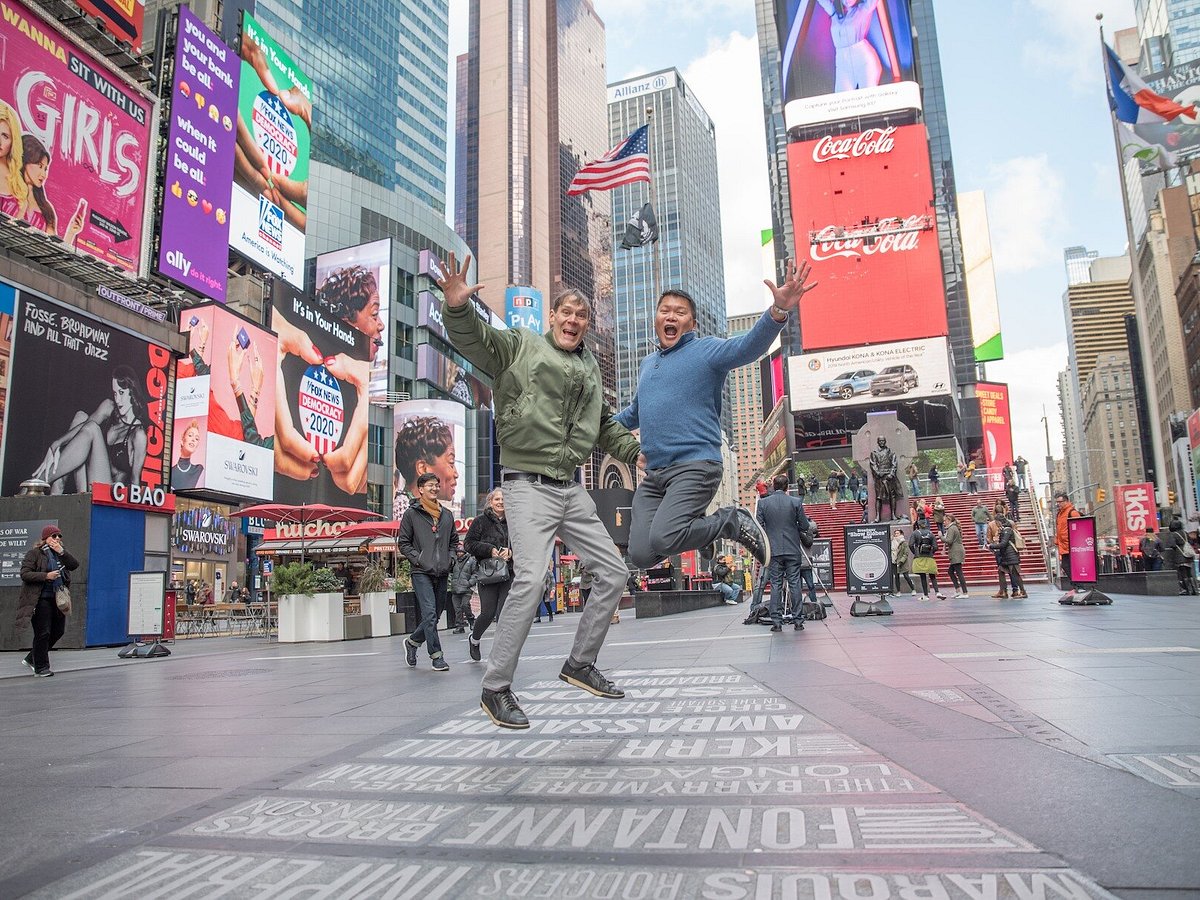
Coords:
862,206
87,399
858,376
84,133
356,284
224,434
270,174
840,47
193,246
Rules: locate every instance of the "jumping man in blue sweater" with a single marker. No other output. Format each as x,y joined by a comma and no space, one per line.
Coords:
678,409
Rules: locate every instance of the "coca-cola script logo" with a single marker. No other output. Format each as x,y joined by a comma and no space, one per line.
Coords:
871,142
888,236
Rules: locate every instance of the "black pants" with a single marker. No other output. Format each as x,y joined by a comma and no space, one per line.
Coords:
1014,575
491,601
1183,572
957,578
925,579
896,576
48,626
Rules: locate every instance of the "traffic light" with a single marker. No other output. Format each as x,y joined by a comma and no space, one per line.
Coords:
1170,498
1100,495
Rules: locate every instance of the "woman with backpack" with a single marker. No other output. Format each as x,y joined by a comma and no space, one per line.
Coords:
487,541
1008,557
952,535
923,544
901,563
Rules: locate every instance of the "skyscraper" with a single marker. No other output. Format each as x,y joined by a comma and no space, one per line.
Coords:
1078,261
683,163
745,394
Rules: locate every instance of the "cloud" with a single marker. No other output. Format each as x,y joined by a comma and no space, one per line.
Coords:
1027,206
727,82
1032,379
1067,37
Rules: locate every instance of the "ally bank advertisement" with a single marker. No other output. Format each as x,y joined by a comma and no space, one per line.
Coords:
74,141
199,173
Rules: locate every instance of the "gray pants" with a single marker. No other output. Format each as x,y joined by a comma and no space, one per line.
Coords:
536,513
668,512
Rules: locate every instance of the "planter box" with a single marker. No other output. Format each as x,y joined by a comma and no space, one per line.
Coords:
652,604
311,617
406,604
378,606
357,627
398,623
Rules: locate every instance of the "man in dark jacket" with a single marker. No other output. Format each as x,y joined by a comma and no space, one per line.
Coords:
462,569
550,414
46,565
1152,551
782,517
429,541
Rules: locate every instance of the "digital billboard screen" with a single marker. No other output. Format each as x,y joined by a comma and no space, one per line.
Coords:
449,377
1180,84
839,46
193,243
84,139
982,299
431,436
323,383
124,18
90,399
268,215
834,427
356,284
862,208
523,308
224,434
871,374
997,425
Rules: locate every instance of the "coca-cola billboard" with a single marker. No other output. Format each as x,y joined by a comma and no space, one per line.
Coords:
862,208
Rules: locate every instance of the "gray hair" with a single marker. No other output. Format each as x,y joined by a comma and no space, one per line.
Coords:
491,495
578,296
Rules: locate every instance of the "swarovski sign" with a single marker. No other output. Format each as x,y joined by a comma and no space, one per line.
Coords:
866,143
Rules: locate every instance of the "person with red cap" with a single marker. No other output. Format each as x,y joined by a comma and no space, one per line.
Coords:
45,567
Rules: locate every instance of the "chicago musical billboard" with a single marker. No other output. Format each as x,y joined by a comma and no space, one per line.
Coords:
862,209
81,135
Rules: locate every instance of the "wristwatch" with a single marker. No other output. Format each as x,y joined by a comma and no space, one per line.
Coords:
778,313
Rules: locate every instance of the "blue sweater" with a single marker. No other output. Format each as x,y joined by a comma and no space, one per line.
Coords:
678,399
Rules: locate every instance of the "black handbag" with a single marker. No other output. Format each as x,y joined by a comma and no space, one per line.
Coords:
492,571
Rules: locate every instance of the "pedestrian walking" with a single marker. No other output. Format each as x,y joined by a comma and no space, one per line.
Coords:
972,477
914,485
429,542
46,568
939,516
992,538
1022,466
549,599
843,486
1013,493
961,471
923,544
487,541
981,517
585,585
1152,551
935,479
1181,556
1008,557
957,554
462,572
901,563
783,518
831,485
550,415
1066,511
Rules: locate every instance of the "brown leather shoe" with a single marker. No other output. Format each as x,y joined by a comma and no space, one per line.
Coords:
1002,595
1021,596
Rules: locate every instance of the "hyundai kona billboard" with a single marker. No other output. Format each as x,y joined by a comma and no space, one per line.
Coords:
856,376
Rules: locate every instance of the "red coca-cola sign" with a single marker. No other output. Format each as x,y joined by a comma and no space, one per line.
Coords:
863,217
851,146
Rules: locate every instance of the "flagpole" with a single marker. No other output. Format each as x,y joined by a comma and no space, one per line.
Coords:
1139,302
656,277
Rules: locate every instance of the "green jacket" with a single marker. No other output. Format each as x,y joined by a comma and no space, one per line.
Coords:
549,406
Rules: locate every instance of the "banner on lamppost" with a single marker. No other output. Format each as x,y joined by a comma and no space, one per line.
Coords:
1136,512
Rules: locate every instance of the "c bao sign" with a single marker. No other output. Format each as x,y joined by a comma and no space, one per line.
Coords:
1135,512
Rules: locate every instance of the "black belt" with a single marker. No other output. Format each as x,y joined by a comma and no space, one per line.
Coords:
534,477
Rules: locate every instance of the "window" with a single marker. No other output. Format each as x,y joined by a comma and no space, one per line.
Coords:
376,441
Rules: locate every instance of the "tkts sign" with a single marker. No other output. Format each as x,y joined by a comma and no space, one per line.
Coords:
862,206
1135,512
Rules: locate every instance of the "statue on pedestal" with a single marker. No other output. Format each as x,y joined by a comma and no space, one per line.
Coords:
885,470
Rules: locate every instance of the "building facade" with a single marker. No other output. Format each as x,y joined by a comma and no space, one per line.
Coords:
745,395
1078,261
1110,427
683,163
1071,414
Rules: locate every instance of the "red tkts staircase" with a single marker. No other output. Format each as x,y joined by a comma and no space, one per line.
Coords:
980,565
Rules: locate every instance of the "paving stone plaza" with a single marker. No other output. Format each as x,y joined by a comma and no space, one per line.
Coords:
969,749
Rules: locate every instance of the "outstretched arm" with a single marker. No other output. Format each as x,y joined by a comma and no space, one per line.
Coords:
737,352
489,348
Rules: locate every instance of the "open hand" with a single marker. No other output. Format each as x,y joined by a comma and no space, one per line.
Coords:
787,295
453,282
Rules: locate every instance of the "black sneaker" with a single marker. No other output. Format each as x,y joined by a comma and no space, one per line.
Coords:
440,664
410,653
43,673
799,625
777,628
27,664
502,709
460,630
473,646
751,536
589,679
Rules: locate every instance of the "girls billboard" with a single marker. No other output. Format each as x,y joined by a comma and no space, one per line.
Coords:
224,435
74,142
88,399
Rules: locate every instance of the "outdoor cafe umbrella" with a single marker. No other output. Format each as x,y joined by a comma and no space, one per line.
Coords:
282,514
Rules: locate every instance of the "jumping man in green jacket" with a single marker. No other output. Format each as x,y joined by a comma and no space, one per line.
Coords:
550,413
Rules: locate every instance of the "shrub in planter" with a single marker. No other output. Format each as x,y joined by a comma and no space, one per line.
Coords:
325,582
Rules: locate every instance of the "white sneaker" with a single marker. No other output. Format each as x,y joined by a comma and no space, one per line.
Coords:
941,596
731,603
964,596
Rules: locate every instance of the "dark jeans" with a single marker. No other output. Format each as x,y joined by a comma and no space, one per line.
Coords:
957,578
1183,572
462,608
48,626
548,603
431,596
491,601
786,568
897,575
668,512
1014,575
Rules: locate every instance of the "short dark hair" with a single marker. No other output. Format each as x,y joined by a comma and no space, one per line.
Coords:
1061,495
780,482
420,438
424,478
680,293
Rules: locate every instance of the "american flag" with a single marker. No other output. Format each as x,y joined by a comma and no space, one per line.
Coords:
625,163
